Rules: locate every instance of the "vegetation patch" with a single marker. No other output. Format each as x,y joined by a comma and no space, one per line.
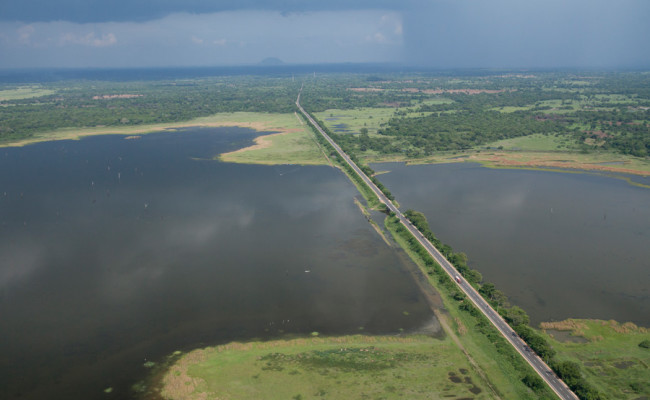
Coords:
350,367
536,142
24,92
295,144
612,355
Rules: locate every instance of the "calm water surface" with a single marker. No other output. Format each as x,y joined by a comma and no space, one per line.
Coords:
558,244
115,252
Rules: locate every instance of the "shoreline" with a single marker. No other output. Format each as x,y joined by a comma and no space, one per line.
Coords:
241,120
283,139
279,128
541,162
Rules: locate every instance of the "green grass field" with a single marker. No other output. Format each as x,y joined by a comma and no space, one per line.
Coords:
283,148
354,120
24,92
593,102
511,109
367,117
435,101
608,352
536,142
351,367
295,144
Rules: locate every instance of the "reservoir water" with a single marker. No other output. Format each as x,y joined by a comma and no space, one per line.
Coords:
114,253
560,245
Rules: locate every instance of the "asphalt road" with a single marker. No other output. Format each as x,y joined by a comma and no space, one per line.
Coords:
543,370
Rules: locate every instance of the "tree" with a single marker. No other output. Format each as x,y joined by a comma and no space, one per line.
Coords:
515,316
487,290
569,371
533,381
473,276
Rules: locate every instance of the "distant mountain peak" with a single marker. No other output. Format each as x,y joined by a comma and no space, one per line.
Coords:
271,61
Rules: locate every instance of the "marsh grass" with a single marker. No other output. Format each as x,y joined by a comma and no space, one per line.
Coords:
610,354
349,367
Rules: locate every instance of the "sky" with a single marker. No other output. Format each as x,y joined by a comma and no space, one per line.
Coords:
434,33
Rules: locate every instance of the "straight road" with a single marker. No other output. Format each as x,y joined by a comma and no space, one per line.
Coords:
543,370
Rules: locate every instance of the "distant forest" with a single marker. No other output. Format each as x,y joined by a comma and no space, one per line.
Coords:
594,110
599,111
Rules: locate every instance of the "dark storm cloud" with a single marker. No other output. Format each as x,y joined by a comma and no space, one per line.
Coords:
84,11
529,33
438,33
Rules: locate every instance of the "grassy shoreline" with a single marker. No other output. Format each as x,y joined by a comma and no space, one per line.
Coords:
352,367
533,160
256,121
294,144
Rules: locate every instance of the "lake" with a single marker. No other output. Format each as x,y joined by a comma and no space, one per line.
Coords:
115,253
560,245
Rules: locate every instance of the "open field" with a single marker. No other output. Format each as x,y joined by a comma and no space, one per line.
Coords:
24,92
435,101
536,142
352,121
294,145
350,367
608,352
510,109
355,119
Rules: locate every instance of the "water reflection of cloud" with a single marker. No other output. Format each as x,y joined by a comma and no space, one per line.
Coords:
155,251
124,285
19,261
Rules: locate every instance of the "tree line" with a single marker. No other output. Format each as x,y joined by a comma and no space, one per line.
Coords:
89,104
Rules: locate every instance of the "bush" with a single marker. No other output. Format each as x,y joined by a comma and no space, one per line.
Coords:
533,381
